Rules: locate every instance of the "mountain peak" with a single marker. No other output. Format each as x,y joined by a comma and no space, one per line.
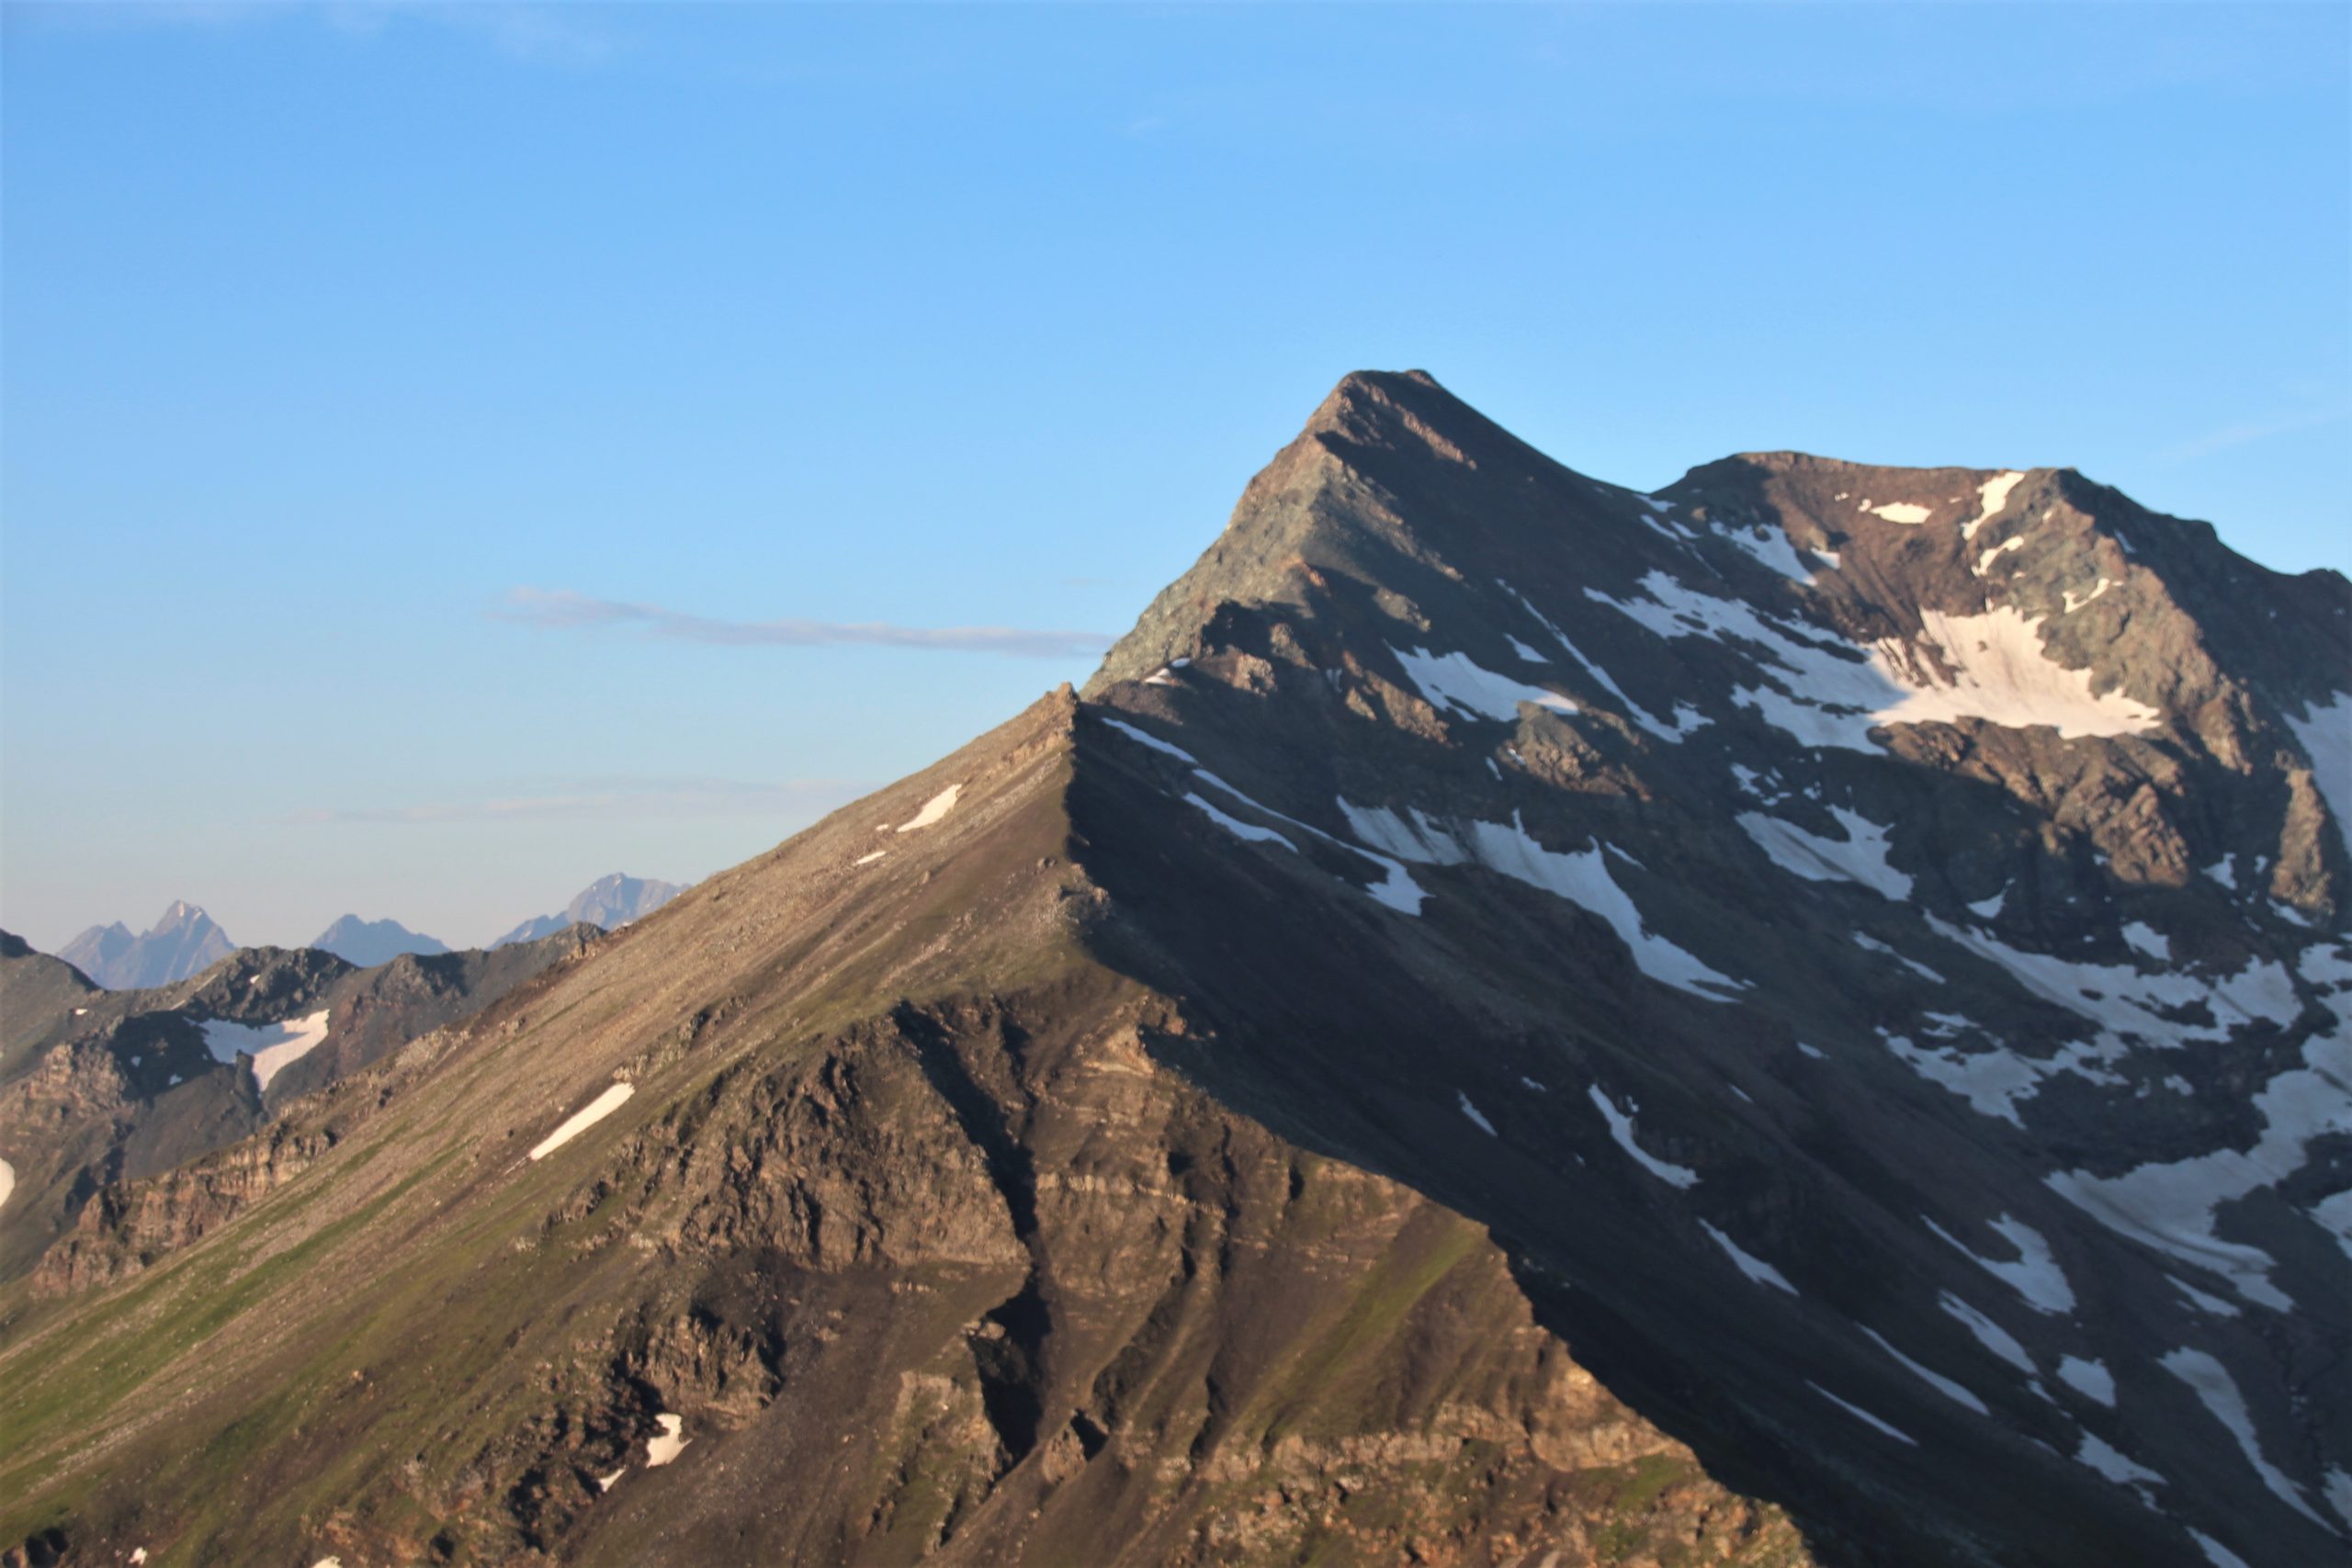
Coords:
184,941
370,942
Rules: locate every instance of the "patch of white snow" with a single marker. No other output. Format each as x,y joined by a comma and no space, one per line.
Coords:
2035,1275
1747,1263
1458,681
1860,856
273,1046
1621,1127
2325,731
1935,1381
2211,1382
1859,1413
662,1448
937,807
2089,1378
587,1116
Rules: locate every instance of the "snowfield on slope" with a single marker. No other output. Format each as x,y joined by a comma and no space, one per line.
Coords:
1582,877
937,807
587,1116
273,1047
1825,691
1458,681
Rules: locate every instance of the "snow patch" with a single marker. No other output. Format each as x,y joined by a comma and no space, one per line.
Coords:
2325,731
1621,1127
1935,1381
1770,547
1827,692
1991,498
1859,1413
1747,1263
1582,877
2102,1457
1985,559
1238,827
7,1181
2074,604
273,1047
2088,1377
605,1482
937,807
587,1116
1154,741
2171,1206
1860,856
2145,939
2211,1382
869,859
662,1448
2001,673
1472,1111
2035,1275
2220,1556
1905,511
1990,1334
1458,681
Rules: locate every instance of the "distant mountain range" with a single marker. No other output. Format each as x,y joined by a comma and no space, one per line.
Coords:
183,942
611,902
370,942
186,941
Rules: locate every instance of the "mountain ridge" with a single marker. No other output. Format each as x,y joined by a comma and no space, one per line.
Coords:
1912,1119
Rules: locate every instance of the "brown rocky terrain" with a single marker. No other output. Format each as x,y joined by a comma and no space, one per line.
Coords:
99,1089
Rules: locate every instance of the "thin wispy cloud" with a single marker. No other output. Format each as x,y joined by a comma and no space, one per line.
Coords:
2247,431
609,799
559,609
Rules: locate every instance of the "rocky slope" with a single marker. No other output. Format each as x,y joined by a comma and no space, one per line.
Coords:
1515,1022
102,1087
184,941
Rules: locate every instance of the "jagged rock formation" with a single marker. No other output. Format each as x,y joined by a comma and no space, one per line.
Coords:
1800,1017
184,941
610,902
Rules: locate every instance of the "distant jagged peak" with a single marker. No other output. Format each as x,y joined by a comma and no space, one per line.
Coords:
184,940
611,902
371,943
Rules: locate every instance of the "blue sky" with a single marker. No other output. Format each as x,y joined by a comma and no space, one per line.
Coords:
358,360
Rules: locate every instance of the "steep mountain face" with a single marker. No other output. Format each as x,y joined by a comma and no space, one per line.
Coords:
609,902
101,1088
370,942
1801,1017
184,941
